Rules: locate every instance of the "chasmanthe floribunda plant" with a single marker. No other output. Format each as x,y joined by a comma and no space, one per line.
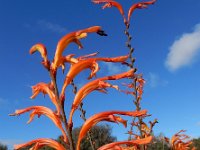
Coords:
63,121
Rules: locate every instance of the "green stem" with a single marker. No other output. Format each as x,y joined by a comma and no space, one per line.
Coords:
63,115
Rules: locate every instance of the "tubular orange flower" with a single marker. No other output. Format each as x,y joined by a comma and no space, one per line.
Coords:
111,3
180,141
67,39
85,64
39,143
41,110
143,141
84,91
95,85
45,89
139,5
76,69
106,116
42,49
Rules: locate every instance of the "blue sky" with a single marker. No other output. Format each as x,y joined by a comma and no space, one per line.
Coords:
166,38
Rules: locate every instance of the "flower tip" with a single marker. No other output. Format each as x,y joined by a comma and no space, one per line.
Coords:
101,33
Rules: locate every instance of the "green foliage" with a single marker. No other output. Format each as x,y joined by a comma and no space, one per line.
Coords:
3,147
158,143
196,143
101,135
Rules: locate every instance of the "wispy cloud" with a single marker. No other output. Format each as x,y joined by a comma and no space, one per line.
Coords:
198,124
183,51
3,102
46,25
154,80
51,26
113,68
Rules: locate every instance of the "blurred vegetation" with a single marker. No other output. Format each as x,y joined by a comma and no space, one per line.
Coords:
102,134
3,147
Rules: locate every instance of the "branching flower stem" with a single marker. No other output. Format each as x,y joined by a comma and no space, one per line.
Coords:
63,115
83,117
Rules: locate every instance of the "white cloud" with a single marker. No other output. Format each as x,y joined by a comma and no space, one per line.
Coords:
183,51
51,26
154,80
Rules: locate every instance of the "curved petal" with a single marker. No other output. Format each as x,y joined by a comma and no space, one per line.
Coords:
143,141
139,5
41,110
85,64
40,143
84,91
105,116
111,3
42,49
97,84
67,39
76,69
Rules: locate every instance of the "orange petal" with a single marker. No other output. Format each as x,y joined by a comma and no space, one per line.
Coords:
41,110
45,89
76,69
95,85
111,3
143,141
139,5
42,49
85,64
105,116
84,91
40,143
67,39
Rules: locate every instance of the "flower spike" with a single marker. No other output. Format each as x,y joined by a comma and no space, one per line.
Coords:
139,5
42,49
41,110
111,3
67,39
106,116
39,143
143,141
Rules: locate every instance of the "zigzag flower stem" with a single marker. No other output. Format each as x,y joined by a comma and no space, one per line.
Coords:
136,100
89,134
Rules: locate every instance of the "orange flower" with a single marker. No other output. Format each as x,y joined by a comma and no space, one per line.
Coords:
111,3
41,110
97,84
106,116
70,59
139,5
39,143
85,64
67,39
42,49
179,141
143,141
76,69
84,91
45,89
